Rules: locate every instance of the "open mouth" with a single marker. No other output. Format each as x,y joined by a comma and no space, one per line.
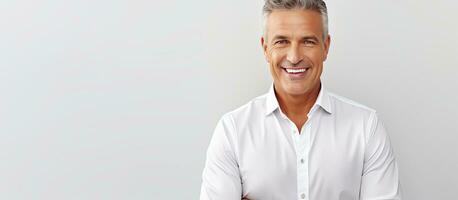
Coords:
296,72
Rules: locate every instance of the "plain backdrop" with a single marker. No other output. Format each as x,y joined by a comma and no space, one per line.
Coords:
118,99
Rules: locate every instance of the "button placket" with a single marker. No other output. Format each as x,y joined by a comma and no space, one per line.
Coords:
303,145
301,178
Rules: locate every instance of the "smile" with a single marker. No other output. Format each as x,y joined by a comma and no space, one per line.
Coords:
296,73
295,70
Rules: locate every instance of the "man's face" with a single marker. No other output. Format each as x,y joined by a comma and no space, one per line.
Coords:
295,49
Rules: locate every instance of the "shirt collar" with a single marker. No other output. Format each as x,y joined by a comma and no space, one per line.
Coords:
323,100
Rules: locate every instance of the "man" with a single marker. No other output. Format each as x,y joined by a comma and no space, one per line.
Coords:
299,141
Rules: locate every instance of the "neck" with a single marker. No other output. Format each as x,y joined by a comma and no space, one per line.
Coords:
297,105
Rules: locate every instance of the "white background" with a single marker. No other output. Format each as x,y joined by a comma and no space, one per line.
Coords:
118,99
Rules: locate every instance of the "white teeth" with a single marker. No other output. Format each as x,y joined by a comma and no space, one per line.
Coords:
295,70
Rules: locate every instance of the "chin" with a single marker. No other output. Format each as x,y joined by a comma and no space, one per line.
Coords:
296,89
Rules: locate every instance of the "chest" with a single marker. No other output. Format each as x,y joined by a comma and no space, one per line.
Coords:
272,158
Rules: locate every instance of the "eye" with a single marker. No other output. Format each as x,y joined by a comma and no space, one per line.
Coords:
281,42
309,42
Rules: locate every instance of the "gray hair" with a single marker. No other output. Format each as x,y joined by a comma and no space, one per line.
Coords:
315,5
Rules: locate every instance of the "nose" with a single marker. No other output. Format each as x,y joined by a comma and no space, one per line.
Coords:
294,54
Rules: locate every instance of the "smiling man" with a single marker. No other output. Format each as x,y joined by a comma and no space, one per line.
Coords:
299,141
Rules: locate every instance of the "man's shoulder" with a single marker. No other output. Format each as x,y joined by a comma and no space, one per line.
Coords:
350,108
252,108
350,103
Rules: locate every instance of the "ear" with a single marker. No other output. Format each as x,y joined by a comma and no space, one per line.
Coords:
264,48
327,44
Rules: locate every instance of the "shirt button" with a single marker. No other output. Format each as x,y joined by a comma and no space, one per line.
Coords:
303,196
302,160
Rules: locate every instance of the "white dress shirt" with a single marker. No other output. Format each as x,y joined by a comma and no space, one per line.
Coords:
342,153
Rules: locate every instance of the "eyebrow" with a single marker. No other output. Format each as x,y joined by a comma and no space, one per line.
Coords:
314,38
279,37
282,37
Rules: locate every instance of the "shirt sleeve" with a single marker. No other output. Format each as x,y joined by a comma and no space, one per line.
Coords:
380,179
221,177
